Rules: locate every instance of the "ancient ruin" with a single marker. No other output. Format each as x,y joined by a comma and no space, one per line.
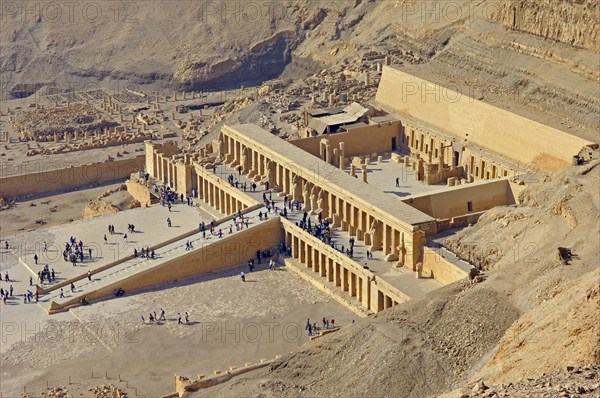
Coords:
311,199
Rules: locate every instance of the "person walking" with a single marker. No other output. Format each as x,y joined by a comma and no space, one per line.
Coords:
243,276
179,318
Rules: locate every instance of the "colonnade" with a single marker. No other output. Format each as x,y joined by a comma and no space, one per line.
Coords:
340,271
430,147
163,163
399,242
219,194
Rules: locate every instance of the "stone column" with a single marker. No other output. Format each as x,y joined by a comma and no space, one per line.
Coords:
376,234
314,195
342,156
393,255
364,172
306,196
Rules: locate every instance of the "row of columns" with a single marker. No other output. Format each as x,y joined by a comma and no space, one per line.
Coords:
394,242
359,286
211,192
165,170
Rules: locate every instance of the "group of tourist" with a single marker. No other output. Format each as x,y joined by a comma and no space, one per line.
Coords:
260,254
167,197
145,252
155,318
243,186
73,251
7,294
45,274
314,328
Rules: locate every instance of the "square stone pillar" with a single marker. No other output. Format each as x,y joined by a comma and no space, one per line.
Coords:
328,153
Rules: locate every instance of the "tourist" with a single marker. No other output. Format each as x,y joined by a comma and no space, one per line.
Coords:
31,281
62,294
397,182
143,320
187,317
243,276
169,222
333,323
35,258
72,287
105,240
11,290
179,318
89,276
162,315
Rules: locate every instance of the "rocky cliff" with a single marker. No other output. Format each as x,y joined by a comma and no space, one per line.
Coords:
572,22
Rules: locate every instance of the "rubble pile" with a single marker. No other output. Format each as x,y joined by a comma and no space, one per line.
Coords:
109,391
41,124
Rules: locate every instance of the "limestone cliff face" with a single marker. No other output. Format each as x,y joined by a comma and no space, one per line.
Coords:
265,59
573,22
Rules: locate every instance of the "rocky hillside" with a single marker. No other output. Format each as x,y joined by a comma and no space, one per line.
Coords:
208,45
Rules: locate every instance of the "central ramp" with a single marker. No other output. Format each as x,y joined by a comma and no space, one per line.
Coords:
174,262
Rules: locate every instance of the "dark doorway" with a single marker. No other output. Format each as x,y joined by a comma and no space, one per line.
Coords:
456,155
393,143
469,206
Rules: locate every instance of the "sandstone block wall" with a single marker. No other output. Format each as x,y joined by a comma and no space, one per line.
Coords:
475,122
441,269
357,141
140,193
453,201
16,181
